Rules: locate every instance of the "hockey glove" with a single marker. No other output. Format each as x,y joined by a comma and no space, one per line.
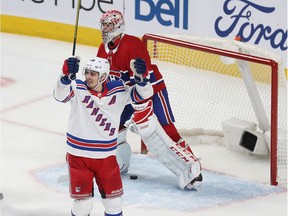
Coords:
138,66
70,68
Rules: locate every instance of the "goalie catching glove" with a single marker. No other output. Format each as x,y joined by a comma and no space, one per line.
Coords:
70,68
177,159
138,66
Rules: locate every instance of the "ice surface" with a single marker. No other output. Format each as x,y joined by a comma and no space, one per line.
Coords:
155,181
33,169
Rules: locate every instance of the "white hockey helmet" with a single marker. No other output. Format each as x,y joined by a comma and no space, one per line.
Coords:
100,65
112,24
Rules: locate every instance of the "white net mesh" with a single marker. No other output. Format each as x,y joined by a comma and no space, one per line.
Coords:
206,89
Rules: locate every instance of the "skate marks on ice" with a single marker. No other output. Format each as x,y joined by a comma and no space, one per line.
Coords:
156,187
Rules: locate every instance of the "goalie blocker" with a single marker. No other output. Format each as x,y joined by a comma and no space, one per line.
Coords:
178,160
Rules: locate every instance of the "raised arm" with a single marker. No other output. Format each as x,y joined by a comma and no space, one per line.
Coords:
63,91
143,89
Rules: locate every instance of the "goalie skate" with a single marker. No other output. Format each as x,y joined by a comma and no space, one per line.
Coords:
195,183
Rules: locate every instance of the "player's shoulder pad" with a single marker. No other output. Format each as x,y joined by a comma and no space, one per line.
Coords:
78,81
114,84
80,84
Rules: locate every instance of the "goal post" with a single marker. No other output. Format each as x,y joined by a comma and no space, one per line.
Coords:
213,72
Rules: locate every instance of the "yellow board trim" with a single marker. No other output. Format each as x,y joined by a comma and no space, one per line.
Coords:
51,30
54,30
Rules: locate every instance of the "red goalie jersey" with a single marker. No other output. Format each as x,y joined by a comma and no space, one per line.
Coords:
120,54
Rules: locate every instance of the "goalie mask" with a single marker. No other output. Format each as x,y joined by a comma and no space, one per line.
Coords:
112,25
99,65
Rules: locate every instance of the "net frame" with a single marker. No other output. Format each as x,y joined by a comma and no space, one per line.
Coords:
273,63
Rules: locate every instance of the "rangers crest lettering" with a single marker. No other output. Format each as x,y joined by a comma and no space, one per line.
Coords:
99,117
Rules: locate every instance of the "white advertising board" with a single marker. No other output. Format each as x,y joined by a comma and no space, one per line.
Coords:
256,21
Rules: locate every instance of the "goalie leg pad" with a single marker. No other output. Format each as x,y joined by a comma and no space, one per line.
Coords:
123,152
123,156
177,159
122,136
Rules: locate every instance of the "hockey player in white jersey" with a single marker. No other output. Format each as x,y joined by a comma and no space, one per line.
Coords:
96,106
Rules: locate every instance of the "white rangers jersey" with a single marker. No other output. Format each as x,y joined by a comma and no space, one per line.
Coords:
94,118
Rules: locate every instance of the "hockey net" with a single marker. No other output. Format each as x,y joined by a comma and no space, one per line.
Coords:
207,87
